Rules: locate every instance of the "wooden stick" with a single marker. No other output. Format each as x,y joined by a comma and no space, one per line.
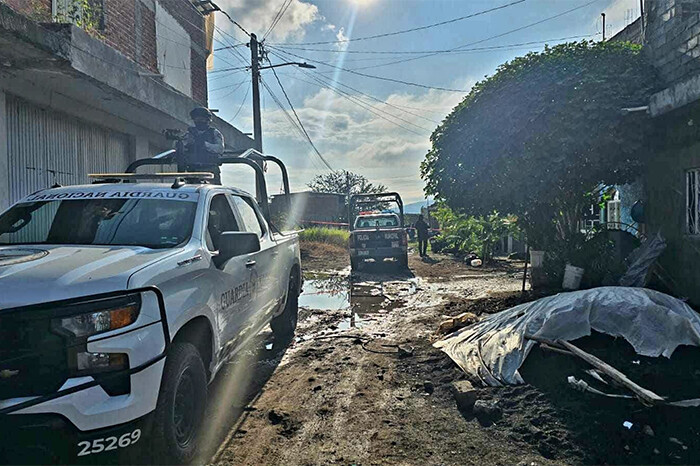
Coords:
646,396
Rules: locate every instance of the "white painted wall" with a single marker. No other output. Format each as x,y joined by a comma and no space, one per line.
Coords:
173,47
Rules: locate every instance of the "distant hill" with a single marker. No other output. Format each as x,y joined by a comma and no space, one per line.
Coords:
414,207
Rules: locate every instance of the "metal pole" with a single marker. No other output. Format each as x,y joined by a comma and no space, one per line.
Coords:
527,257
641,18
255,69
603,15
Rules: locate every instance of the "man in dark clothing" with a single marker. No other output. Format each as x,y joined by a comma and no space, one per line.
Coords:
422,229
202,146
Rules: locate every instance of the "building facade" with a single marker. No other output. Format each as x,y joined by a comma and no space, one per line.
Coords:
672,182
90,90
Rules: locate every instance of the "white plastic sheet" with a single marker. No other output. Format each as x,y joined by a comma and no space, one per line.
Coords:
493,349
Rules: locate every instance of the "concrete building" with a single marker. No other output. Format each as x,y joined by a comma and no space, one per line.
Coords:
671,37
91,97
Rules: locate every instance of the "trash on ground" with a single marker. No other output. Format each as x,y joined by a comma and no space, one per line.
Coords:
492,350
455,323
641,260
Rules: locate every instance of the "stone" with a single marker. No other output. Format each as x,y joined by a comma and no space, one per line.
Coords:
429,387
486,412
465,395
648,430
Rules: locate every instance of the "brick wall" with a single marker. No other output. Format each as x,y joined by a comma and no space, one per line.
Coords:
193,23
129,27
120,26
672,37
38,10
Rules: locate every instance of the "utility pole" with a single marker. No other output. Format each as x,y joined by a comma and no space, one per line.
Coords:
603,15
255,69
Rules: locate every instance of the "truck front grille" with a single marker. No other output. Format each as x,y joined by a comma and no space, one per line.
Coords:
33,360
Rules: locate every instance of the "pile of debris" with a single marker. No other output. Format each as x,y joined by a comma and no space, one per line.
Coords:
621,346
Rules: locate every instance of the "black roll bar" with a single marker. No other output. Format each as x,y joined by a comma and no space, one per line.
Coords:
250,157
359,199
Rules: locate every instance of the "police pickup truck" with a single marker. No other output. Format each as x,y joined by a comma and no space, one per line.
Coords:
119,303
377,236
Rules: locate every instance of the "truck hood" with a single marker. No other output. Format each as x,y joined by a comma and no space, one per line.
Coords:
31,275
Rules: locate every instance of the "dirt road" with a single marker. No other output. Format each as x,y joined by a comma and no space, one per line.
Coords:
362,384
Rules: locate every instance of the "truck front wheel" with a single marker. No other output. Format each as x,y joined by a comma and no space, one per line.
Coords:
284,325
181,404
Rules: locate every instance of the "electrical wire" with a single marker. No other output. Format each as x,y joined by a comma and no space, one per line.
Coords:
245,99
463,46
420,28
280,13
419,52
306,133
291,120
381,78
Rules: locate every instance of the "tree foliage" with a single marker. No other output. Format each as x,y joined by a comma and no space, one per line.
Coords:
344,182
537,137
463,234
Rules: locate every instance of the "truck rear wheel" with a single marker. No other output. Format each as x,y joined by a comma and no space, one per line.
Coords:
403,261
284,325
181,404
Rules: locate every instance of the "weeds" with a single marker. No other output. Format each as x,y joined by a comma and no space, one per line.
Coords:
325,235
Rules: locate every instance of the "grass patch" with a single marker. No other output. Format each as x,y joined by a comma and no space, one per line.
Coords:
325,235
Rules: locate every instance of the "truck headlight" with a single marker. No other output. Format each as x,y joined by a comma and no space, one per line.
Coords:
83,325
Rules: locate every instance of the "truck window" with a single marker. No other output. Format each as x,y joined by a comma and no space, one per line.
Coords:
251,222
221,219
118,222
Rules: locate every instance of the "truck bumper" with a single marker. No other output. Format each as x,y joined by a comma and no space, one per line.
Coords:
378,253
52,439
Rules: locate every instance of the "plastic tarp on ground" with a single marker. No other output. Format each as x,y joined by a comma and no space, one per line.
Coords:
493,349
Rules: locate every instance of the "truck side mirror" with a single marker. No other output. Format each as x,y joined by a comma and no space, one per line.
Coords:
237,243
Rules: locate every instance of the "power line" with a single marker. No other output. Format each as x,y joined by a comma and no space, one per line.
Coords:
234,21
229,86
278,17
350,98
336,82
419,52
381,78
420,28
558,15
291,120
245,99
306,133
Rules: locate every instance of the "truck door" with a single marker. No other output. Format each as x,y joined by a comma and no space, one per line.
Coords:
232,278
265,270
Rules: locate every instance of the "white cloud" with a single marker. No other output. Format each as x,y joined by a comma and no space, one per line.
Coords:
352,138
257,15
342,38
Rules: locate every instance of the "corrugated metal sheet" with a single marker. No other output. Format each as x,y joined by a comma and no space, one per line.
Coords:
48,147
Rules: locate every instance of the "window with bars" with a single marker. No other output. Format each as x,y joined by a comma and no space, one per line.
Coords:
693,201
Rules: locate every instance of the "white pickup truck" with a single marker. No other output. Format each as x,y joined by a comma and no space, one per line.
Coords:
120,301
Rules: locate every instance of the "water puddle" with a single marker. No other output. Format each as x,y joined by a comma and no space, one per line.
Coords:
362,299
325,294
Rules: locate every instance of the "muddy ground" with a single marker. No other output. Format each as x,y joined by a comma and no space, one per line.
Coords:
361,384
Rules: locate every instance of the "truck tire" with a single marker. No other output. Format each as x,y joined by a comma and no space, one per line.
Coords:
284,325
181,404
403,261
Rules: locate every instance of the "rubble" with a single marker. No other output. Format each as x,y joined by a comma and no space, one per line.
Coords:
493,349
455,323
465,395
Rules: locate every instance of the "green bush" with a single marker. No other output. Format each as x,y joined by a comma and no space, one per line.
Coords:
325,235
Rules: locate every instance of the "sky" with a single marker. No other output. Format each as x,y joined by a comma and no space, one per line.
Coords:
379,128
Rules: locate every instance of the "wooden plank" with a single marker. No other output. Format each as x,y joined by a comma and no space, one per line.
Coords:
646,396
641,392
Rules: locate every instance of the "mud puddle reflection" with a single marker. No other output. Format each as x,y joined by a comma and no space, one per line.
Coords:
363,300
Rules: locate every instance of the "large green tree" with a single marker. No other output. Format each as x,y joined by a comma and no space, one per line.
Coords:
344,182
542,133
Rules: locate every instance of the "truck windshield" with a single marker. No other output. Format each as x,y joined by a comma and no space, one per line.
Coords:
152,223
377,221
